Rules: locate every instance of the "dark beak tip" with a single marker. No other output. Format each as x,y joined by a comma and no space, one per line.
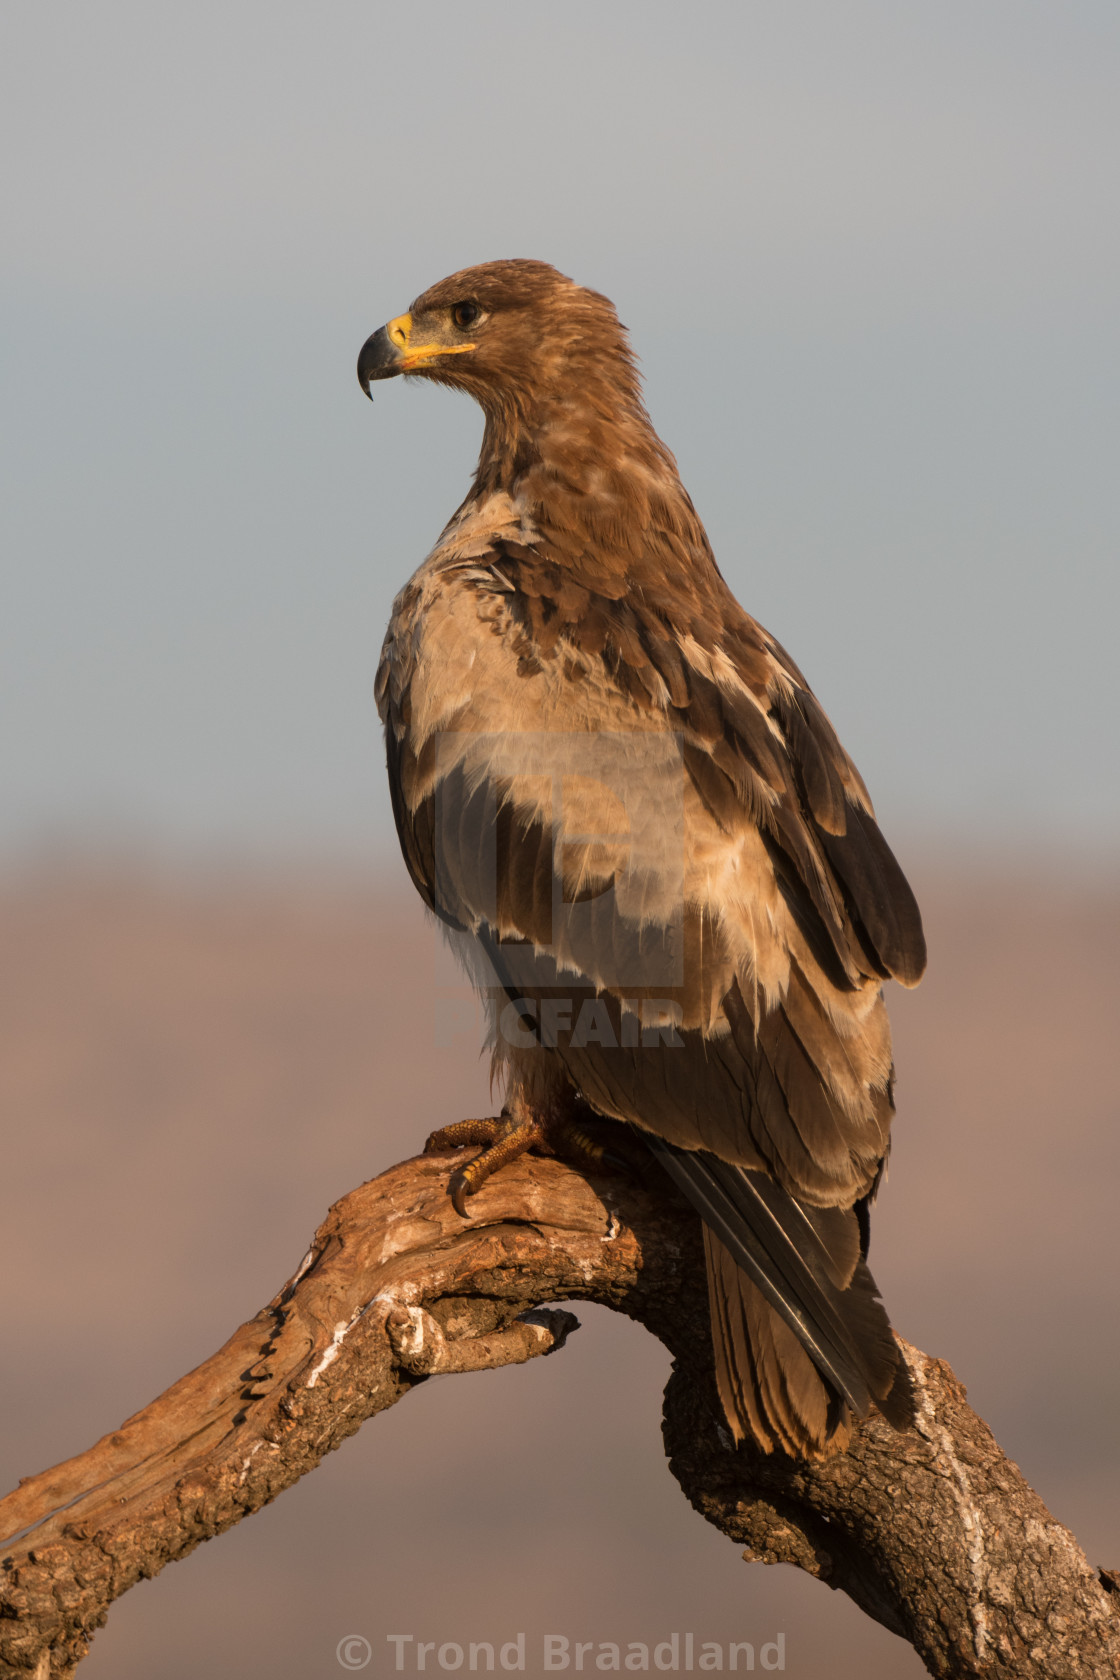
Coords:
379,359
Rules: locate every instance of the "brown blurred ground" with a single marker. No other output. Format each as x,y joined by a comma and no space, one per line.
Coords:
190,1071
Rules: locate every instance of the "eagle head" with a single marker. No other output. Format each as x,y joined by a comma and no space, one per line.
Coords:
506,332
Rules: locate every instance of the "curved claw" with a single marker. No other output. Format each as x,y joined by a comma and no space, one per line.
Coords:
512,1140
459,1187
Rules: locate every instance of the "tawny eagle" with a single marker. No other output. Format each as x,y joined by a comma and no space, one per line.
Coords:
622,798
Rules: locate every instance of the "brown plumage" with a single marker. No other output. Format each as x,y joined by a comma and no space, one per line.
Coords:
623,800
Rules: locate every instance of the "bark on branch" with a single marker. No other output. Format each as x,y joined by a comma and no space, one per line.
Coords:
933,1533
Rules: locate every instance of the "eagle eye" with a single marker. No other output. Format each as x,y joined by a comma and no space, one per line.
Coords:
465,314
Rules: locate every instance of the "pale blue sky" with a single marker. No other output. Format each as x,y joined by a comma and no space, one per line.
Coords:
870,256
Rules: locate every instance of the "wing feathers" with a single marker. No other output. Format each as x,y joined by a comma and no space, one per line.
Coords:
879,896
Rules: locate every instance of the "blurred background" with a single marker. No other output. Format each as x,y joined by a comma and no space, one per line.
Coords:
869,257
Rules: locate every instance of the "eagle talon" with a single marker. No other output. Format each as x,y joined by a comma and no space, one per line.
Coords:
506,1140
459,1187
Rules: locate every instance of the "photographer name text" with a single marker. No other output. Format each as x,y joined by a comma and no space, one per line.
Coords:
679,1653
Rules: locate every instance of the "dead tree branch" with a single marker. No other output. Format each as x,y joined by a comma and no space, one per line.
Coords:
934,1533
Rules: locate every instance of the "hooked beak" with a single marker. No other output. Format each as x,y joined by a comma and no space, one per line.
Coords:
382,354
390,351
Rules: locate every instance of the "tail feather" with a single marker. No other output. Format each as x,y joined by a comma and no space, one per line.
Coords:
736,1374
801,1338
768,1386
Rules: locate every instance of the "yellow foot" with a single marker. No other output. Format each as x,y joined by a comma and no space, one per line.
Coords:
570,1140
506,1139
463,1131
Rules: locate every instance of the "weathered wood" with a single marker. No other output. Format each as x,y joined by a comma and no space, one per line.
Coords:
934,1533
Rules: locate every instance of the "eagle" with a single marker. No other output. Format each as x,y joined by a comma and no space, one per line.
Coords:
637,825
